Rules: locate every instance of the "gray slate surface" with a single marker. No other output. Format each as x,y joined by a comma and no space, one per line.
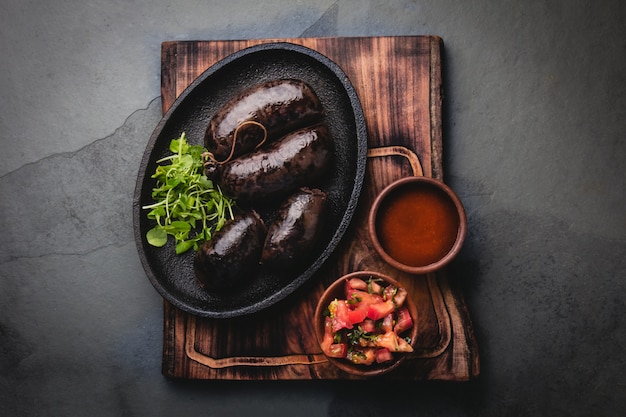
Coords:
534,122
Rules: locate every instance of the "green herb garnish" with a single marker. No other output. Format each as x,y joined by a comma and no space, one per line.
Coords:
189,206
370,281
357,334
354,299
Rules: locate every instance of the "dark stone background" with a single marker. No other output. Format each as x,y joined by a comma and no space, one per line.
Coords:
534,121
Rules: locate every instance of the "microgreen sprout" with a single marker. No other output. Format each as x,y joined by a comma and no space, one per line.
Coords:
188,205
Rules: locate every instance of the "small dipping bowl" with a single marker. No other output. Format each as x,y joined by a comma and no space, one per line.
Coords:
337,290
417,224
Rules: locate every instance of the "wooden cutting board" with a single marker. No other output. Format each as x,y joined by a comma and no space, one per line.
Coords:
398,80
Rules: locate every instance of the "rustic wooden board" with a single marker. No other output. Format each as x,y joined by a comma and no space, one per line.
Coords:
398,80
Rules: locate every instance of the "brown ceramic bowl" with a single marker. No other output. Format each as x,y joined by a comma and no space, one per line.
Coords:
417,224
337,290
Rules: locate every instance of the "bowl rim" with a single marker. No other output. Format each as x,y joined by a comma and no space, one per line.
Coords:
460,236
343,364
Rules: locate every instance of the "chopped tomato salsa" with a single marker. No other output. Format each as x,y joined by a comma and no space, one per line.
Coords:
367,326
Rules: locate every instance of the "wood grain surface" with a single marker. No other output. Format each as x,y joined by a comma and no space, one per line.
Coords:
398,80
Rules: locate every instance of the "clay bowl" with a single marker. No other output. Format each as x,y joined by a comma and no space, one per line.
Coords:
417,224
337,291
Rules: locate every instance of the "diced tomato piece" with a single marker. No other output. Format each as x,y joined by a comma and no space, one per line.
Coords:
328,338
387,324
357,298
368,326
337,350
328,331
355,284
400,297
340,316
404,321
387,340
375,288
357,315
364,356
375,298
354,298
403,345
378,311
328,345
383,355
391,341
389,292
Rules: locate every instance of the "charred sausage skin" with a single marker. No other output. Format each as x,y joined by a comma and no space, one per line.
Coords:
222,262
279,106
297,159
296,229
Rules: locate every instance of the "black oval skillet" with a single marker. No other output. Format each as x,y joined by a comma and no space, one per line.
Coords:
172,275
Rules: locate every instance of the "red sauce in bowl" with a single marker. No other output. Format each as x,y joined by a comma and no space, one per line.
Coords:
417,224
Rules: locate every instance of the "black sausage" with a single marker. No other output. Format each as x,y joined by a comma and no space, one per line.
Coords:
280,106
297,159
296,229
224,261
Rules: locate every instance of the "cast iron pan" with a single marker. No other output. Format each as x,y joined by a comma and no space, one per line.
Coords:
172,275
